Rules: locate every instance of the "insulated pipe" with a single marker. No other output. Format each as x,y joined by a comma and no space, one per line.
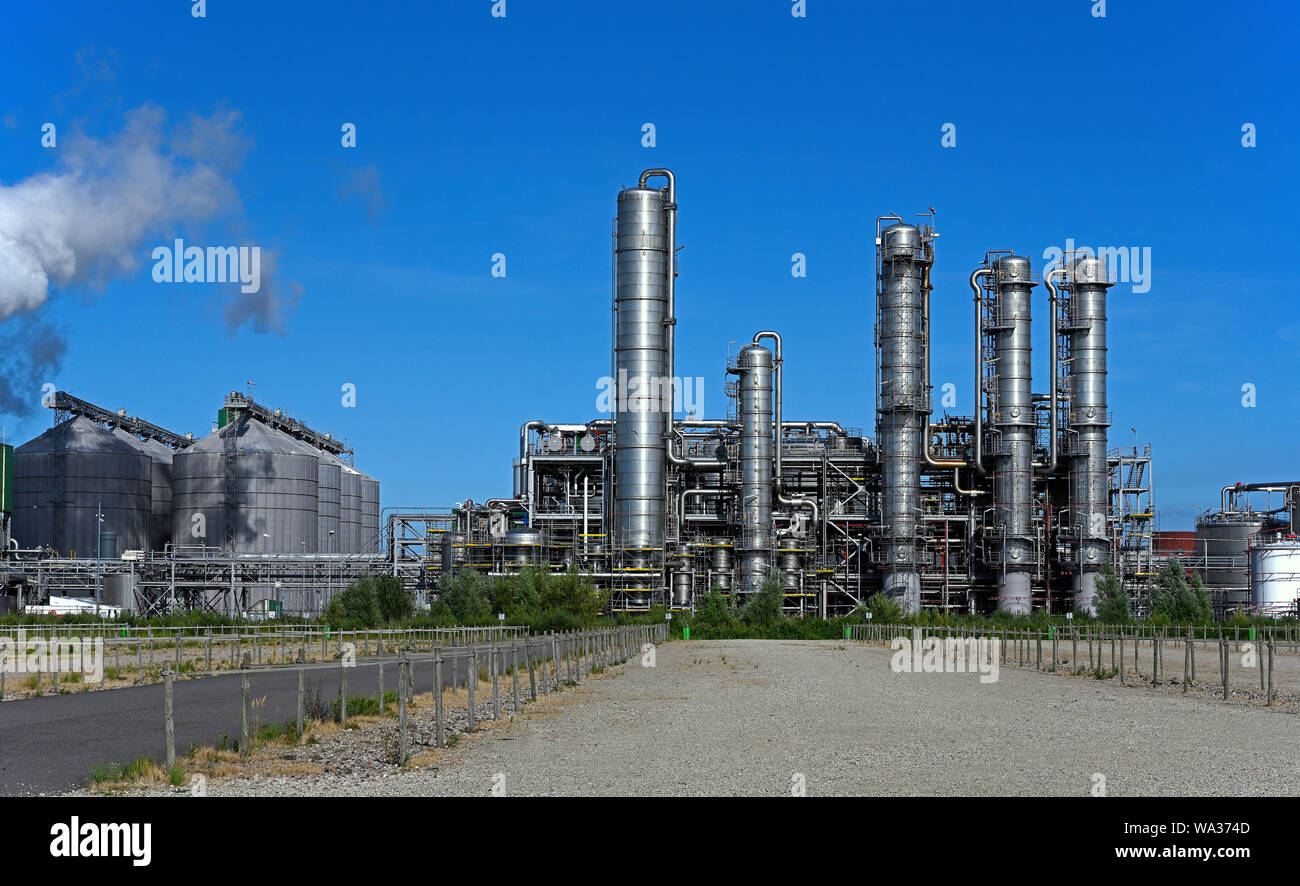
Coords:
698,491
930,460
975,276
1053,299
670,318
523,472
1287,486
778,481
699,464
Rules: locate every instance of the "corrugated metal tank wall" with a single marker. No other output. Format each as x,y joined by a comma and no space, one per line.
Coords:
349,504
62,476
160,457
368,543
330,504
275,485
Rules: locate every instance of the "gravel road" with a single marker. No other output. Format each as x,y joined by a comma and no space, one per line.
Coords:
752,717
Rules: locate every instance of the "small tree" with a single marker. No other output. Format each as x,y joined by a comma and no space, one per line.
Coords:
466,594
763,609
1177,600
885,609
1111,600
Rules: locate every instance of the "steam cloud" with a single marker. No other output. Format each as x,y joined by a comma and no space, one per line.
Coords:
94,217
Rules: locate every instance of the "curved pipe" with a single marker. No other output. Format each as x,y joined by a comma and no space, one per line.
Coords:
930,460
702,464
691,493
1053,300
975,275
1253,487
670,322
779,484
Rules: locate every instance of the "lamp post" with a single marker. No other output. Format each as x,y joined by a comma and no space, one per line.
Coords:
99,532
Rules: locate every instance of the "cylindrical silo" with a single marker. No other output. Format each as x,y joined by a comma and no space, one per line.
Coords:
1275,577
640,359
1224,538
901,402
63,477
329,502
160,457
1013,419
247,488
348,538
1089,471
368,541
754,366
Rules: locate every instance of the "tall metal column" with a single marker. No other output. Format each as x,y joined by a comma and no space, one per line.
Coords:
644,262
1090,474
1013,420
754,365
901,404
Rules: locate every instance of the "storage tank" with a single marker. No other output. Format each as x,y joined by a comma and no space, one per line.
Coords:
1223,538
349,534
160,458
62,477
272,490
329,501
368,541
1275,577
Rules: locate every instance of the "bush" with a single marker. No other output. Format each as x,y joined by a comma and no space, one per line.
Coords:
1178,600
885,609
1111,600
763,609
466,595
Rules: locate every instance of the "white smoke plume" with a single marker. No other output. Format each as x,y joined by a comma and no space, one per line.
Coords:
97,213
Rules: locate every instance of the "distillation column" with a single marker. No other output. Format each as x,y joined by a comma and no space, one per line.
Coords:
901,403
1090,474
1013,420
643,264
756,441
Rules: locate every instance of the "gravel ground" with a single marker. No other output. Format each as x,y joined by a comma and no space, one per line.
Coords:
753,717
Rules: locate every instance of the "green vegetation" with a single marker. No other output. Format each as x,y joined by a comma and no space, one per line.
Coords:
1111,600
1180,599
369,602
541,600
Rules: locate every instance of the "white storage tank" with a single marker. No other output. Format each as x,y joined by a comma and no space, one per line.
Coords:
1275,577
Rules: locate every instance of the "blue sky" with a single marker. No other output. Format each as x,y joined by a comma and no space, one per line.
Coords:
478,135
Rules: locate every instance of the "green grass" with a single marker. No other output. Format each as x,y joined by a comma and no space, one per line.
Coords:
107,773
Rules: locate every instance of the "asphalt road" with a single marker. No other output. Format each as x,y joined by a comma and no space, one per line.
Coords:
50,744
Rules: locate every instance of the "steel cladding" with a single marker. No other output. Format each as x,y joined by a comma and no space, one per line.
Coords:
264,481
1013,420
756,441
640,358
901,404
160,458
1090,473
64,476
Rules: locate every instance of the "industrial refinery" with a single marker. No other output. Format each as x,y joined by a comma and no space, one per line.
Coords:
1016,507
